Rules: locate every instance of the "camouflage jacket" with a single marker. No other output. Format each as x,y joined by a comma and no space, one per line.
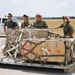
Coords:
67,29
40,24
28,25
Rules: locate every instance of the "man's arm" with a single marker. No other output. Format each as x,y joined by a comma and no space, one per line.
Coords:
56,27
16,25
22,25
61,26
71,30
45,25
5,29
34,25
30,26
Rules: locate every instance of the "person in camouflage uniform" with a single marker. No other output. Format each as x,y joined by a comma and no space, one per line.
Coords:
9,29
9,24
67,27
39,23
26,23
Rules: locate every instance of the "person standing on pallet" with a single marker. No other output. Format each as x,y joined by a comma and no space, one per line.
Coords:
39,23
26,23
67,27
9,27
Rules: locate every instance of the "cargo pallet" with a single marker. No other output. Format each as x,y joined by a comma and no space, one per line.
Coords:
57,50
66,69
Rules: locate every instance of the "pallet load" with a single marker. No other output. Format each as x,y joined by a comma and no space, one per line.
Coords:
41,46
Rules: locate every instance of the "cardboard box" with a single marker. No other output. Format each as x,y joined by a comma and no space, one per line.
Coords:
42,34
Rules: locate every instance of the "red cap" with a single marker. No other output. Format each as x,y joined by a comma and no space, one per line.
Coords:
67,18
38,15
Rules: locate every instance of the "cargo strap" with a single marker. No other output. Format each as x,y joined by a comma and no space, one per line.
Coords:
31,50
68,48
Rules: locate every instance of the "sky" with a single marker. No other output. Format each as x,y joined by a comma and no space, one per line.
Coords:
47,8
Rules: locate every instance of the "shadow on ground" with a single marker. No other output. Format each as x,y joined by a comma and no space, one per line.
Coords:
36,70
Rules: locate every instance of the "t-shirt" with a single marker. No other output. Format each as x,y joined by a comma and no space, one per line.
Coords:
10,24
